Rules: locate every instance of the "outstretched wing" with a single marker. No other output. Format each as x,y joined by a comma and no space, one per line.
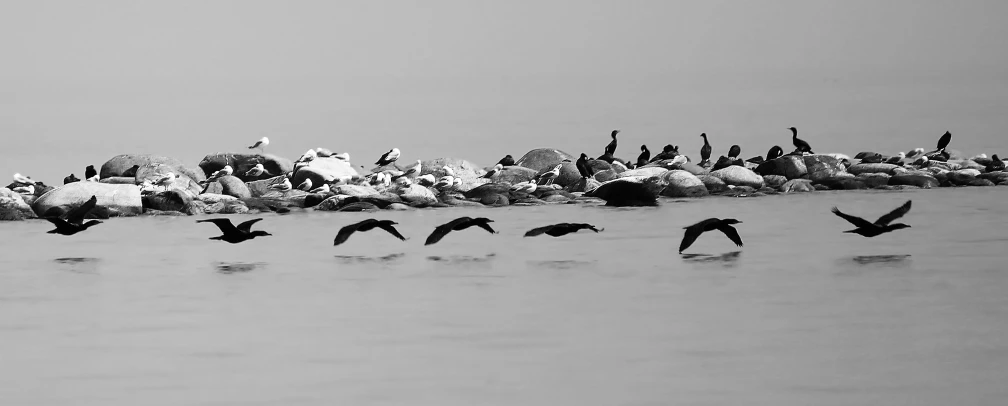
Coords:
344,233
690,236
224,225
893,215
438,234
246,227
76,216
387,226
857,221
732,234
487,227
538,231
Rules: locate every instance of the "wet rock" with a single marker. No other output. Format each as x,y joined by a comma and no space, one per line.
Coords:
470,173
583,185
153,172
355,190
713,184
683,184
13,206
797,186
119,164
543,159
739,176
120,180
241,163
630,191
514,174
488,189
359,207
848,182
452,200
605,176
874,180
416,194
919,180
159,213
171,200
774,181
821,167
232,186
398,207
495,200
958,178
858,169
555,198
981,182
236,207
996,177
788,166
119,200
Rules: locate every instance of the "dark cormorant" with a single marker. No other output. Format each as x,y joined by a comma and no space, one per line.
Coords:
583,168
644,156
611,148
723,225
557,230
996,164
944,141
507,160
880,226
367,225
458,224
734,151
70,179
74,222
800,144
90,172
775,152
705,151
231,233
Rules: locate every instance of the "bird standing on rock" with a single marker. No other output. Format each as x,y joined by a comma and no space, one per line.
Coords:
227,171
611,148
644,156
996,164
74,222
235,234
800,144
492,172
583,168
283,186
560,229
723,225
705,150
507,160
255,171
549,176
90,174
866,228
734,152
306,185
458,224
367,225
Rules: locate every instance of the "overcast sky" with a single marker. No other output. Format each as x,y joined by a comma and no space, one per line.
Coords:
90,79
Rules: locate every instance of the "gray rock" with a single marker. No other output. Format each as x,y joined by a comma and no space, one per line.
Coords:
232,186
13,206
874,179
796,186
774,181
713,184
919,180
470,173
858,169
739,176
119,164
823,167
241,163
683,184
543,158
355,190
118,200
514,174
416,194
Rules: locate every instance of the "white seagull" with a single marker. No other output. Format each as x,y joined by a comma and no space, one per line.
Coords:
324,189
19,178
282,186
388,157
166,180
255,171
323,153
261,144
492,172
550,176
448,171
344,156
425,180
415,170
308,156
226,171
306,185
526,187
25,190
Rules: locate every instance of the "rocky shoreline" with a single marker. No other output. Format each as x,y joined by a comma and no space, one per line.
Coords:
133,185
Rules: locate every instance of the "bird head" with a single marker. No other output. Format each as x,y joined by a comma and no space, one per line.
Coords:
643,148
614,132
584,156
794,131
731,221
703,135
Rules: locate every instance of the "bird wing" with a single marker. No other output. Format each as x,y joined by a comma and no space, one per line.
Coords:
537,231
344,233
391,229
487,227
893,215
691,235
732,233
58,222
857,221
246,227
438,234
76,216
224,225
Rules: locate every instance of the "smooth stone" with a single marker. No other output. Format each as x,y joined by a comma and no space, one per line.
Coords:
583,185
644,171
848,182
215,188
788,166
824,167
232,186
973,164
241,163
355,190
119,200
981,182
958,178
632,191
598,165
556,198
873,180
120,180
416,194
152,172
259,188
819,186
488,189
513,174
495,200
738,191
857,169
774,181
683,184
739,176
171,200
13,206
692,168
921,181
398,207
606,175
226,208
797,186
359,206
543,159
712,183
452,200
211,198
996,177
119,164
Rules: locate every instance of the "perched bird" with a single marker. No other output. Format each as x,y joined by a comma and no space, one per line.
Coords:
70,179
496,168
734,151
283,186
367,225
524,187
166,180
226,171
896,160
921,162
255,171
583,168
774,153
388,157
19,178
880,226
507,160
800,144
458,224
261,144
915,152
235,234
549,176
24,189
723,225
557,230
306,185
445,182
323,153
996,164
414,171
426,180
308,156
74,222
343,156
324,189
611,148
448,170
944,141
129,173
705,150
90,174
644,156
457,184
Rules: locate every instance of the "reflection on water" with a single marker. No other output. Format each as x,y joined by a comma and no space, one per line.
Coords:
728,259
238,267
882,260
79,265
462,259
361,259
569,264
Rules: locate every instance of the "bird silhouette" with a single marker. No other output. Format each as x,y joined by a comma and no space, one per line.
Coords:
705,151
559,229
644,157
723,225
74,222
996,164
800,144
866,228
458,224
507,160
775,152
235,234
583,168
367,225
734,151
944,141
611,148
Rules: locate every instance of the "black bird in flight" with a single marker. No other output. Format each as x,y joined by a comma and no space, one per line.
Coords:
460,223
367,225
74,222
233,234
881,226
560,229
723,225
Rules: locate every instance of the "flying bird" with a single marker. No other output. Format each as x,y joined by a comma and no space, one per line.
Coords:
557,230
723,225
734,151
388,157
458,224
367,225
235,234
800,144
261,144
74,222
644,156
705,150
866,228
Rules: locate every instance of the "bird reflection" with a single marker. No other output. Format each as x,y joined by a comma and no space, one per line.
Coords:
457,259
238,267
349,259
728,259
79,264
882,260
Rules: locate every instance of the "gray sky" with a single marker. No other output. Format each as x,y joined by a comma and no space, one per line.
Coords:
88,80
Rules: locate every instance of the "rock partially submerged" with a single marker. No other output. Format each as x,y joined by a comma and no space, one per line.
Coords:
739,176
683,184
119,200
13,206
241,163
634,191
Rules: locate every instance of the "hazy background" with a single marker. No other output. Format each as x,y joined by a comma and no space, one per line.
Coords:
83,81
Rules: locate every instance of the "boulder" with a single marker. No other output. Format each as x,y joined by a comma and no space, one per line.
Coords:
981,182
418,195
739,176
972,164
260,188
120,180
598,165
568,174
692,168
637,191
996,177
233,186
874,180
543,158
171,200
683,184
236,207
583,185
514,174
858,169
323,170
713,184
606,175
355,190
119,164
118,200
821,166
489,189
848,182
774,181
152,172
644,171
958,178
919,180
470,173
797,186
211,198
13,206
241,163
788,166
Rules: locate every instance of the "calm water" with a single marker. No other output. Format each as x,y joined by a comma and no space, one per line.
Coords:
148,311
